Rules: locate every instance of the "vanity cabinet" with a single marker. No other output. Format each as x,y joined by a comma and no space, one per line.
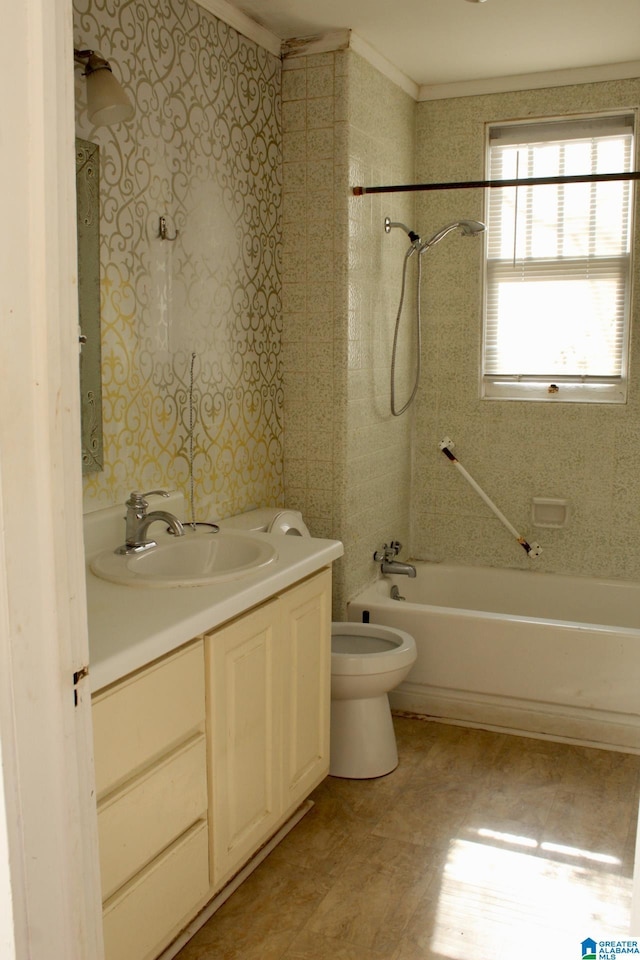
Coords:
268,677
150,760
201,757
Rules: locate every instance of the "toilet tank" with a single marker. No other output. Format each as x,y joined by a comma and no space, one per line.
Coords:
269,519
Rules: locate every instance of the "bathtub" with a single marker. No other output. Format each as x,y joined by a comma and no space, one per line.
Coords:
532,653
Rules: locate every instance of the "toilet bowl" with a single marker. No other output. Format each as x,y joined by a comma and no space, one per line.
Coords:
367,661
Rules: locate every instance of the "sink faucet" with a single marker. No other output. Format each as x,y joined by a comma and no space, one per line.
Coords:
138,522
388,563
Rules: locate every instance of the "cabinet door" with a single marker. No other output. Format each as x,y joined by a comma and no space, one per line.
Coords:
306,625
244,690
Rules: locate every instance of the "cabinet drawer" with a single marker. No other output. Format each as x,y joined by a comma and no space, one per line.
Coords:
149,912
145,716
145,816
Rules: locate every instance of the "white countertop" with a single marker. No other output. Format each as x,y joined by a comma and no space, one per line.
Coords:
129,626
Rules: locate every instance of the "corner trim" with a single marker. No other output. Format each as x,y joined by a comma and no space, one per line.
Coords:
384,66
317,43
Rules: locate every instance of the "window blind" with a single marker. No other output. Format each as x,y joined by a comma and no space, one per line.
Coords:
558,257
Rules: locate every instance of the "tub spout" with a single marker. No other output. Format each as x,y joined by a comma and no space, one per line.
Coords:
394,566
389,564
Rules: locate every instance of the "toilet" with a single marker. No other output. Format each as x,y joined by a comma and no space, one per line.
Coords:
367,661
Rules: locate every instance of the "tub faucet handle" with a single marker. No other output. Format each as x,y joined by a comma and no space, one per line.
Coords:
388,552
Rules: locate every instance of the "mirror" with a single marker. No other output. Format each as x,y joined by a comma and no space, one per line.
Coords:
88,223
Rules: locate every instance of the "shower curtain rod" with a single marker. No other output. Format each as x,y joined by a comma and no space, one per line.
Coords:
481,184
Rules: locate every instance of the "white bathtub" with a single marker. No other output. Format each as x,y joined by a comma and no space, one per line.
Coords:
535,653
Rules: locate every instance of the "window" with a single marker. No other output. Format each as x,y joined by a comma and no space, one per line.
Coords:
557,286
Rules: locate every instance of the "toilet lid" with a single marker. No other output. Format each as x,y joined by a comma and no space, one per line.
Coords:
289,522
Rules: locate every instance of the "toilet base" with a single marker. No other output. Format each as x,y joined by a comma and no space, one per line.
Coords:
363,741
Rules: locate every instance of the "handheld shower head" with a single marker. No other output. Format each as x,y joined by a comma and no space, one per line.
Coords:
468,228
471,227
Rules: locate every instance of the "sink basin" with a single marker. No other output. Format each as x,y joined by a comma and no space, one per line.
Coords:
189,561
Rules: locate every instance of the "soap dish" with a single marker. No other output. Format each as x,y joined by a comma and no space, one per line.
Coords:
549,512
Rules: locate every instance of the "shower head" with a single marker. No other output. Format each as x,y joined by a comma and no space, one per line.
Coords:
468,228
389,224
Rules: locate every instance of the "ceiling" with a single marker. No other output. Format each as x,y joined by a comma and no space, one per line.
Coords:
449,41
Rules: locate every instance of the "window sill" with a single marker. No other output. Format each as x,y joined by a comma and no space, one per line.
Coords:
592,391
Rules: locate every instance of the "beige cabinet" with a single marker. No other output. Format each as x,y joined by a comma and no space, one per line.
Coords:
200,758
150,758
268,676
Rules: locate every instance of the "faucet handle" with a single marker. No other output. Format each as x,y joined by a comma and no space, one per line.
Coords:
389,551
138,499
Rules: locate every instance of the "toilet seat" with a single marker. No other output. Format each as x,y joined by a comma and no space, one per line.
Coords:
363,648
290,523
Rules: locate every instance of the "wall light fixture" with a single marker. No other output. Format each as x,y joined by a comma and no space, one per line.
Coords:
107,103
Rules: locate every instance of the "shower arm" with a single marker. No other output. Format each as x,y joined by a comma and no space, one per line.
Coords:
532,550
390,224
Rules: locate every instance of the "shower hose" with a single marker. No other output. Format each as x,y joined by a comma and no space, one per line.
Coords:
394,409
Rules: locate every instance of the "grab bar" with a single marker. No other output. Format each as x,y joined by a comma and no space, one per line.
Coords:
531,549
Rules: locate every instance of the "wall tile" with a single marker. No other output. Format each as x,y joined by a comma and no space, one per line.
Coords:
295,148
294,85
294,115
320,112
320,143
320,81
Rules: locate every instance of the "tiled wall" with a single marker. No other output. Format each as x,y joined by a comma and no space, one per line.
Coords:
588,454
378,452
204,150
313,291
346,459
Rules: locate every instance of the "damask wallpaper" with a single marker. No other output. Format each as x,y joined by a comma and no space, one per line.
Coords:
191,327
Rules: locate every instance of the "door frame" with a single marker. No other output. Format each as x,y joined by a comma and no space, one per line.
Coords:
49,875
